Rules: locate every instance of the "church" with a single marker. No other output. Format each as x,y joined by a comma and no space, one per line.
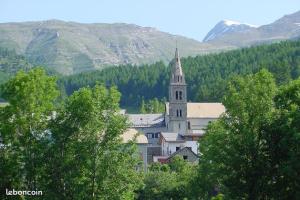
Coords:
180,126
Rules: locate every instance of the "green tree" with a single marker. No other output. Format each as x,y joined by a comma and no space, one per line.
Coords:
152,106
143,107
90,162
234,156
282,138
23,123
73,151
168,181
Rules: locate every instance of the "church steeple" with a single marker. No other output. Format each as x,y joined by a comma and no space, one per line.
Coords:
177,98
177,75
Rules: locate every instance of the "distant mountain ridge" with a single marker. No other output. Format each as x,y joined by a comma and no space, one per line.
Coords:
71,47
225,27
284,28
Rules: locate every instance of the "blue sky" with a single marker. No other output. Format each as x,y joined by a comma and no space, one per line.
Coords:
191,18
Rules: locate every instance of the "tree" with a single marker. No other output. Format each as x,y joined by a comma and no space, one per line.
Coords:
168,181
143,107
23,123
152,106
88,160
234,156
282,138
72,151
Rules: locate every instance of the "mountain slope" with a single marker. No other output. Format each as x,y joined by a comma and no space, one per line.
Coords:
71,47
206,76
284,28
225,27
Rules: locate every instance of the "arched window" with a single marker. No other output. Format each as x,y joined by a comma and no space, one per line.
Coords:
180,95
178,78
177,113
180,113
176,95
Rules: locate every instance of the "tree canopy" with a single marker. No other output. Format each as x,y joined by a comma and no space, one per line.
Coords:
205,75
70,151
251,152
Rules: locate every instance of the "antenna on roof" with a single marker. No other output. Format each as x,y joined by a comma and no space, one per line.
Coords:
176,44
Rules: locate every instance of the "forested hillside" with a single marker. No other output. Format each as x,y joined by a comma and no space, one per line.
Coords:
10,63
206,76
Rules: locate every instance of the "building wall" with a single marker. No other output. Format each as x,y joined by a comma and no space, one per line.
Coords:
152,133
193,144
153,151
199,123
168,148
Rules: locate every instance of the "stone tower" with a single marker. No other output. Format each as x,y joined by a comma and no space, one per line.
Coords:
177,98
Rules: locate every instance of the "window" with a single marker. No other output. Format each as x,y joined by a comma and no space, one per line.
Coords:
180,113
177,148
179,125
180,95
177,113
189,125
178,78
156,135
176,95
185,157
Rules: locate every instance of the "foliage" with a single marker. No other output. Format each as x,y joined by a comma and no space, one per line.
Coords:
251,152
168,181
72,151
23,123
152,106
206,75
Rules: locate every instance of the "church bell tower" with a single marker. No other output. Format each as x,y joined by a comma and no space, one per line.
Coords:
177,98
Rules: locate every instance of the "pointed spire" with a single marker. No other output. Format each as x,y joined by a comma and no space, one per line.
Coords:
177,73
177,66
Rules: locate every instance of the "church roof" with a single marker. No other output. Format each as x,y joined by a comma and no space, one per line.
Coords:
177,76
172,137
177,70
146,120
202,110
132,134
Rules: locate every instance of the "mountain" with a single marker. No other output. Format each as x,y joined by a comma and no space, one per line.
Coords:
287,27
225,27
70,47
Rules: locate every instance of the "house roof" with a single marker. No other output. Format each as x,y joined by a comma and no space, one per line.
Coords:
172,137
146,120
202,110
132,134
181,150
